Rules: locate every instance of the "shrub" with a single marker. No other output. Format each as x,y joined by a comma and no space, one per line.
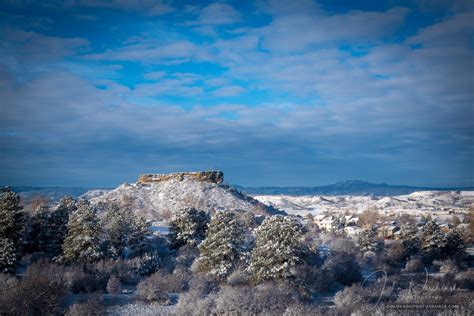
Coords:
186,255
113,285
146,264
192,303
202,284
239,277
395,254
315,279
152,290
350,298
92,307
414,265
344,268
449,266
41,291
465,280
301,309
267,298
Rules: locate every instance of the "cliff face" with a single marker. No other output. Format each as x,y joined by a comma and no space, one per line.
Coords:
202,176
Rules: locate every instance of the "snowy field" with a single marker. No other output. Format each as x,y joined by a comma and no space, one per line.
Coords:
438,203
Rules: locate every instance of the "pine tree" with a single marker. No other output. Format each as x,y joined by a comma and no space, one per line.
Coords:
57,225
82,243
12,225
410,239
453,244
221,249
189,226
432,239
38,232
125,231
367,242
278,248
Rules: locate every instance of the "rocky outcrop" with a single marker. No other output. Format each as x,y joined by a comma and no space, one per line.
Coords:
202,176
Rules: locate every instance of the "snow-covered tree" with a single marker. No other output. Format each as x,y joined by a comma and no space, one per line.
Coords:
57,225
410,238
221,249
12,224
125,232
278,248
367,242
8,255
82,243
432,239
188,226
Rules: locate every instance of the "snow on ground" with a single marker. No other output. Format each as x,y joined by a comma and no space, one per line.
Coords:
155,200
141,309
439,202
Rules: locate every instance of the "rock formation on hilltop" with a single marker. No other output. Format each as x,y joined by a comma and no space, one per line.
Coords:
202,176
158,196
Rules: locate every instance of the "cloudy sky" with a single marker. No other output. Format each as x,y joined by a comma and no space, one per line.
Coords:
284,93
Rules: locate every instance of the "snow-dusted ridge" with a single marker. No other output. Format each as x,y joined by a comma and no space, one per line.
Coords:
159,200
415,203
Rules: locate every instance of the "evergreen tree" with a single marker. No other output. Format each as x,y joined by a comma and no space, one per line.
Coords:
188,226
82,243
367,242
410,239
38,232
125,231
221,249
278,248
432,239
57,225
12,225
453,244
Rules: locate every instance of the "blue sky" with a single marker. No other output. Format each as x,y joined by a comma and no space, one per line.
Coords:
284,93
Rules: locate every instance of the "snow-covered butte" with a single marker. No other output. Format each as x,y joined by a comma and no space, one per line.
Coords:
158,200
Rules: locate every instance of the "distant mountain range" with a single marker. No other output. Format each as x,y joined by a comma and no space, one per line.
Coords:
350,187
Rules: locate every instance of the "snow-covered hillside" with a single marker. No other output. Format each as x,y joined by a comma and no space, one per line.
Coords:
417,202
158,201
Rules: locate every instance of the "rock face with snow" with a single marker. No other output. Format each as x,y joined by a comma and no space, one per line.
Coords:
158,197
201,176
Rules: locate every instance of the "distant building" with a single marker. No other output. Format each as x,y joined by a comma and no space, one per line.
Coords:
352,230
387,231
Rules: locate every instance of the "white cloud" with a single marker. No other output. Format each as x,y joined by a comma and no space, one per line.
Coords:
228,91
218,14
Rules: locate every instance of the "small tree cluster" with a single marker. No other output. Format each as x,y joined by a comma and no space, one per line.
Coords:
437,245
47,229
